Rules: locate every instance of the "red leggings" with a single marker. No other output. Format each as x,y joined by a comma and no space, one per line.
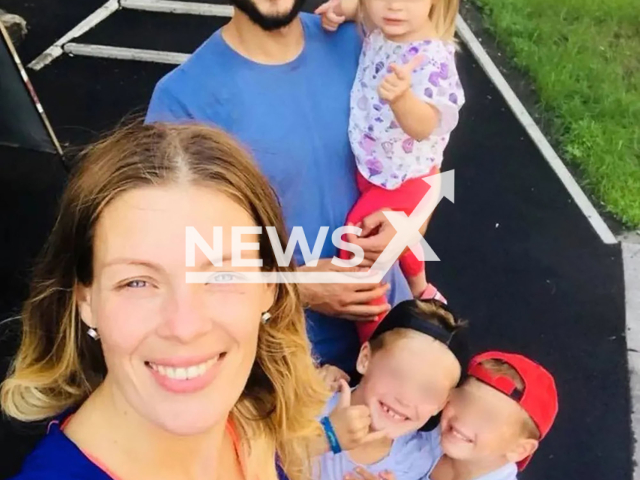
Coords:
374,198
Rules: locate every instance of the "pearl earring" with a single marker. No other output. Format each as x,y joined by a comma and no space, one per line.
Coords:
93,333
265,318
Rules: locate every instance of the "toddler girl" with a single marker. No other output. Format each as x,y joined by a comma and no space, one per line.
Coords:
404,104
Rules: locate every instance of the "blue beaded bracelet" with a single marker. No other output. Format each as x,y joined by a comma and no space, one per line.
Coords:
332,438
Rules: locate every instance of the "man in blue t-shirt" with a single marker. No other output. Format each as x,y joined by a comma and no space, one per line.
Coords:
274,79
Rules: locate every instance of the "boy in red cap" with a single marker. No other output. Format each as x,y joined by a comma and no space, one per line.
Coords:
494,422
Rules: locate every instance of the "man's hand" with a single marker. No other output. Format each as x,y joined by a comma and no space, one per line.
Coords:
332,15
398,82
352,422
333,376
376,234
344,300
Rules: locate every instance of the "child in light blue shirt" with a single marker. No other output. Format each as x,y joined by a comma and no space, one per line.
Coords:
409,455
409,367
492,424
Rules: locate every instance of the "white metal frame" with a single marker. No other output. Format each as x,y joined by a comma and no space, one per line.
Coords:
55,50
65,44
123,53
171,6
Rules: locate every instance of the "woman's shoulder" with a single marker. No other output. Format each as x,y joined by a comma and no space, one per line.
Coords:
58,458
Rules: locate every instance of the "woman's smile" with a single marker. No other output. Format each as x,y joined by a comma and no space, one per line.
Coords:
186,376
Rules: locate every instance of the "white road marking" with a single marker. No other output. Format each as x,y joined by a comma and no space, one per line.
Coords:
582,201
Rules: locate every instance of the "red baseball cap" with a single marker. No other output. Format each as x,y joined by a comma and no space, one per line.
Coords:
539,397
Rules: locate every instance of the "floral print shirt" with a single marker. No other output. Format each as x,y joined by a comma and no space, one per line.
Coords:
385,155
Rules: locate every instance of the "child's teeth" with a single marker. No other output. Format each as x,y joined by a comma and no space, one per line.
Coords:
392,414
459,435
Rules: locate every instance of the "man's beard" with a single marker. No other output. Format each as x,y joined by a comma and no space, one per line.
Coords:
268,23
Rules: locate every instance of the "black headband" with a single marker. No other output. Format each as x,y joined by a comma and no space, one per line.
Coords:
407,314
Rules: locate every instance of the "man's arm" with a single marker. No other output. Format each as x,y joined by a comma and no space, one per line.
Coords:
377,232
349,301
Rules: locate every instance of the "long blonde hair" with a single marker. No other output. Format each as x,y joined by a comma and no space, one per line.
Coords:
443,16
57,366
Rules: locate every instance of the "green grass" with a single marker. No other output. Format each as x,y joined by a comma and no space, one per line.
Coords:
584,59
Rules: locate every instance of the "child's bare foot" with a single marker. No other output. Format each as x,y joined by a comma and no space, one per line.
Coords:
417,284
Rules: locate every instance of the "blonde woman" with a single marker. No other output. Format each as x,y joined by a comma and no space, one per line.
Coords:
146,376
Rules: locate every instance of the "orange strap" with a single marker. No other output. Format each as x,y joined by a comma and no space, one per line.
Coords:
231,430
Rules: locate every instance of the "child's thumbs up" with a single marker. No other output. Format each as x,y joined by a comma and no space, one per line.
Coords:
344,399
351,423
398,82
404,72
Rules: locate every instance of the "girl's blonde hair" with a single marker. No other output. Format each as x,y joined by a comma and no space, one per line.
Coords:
442,15
58,366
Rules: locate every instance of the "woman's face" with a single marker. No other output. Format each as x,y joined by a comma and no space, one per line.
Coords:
177,353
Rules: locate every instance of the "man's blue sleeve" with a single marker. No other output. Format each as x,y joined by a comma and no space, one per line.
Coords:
165,106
